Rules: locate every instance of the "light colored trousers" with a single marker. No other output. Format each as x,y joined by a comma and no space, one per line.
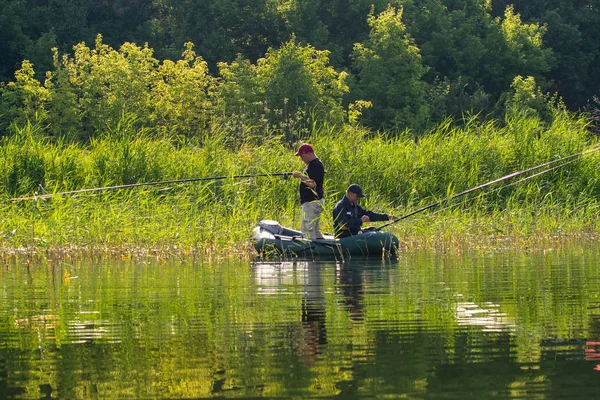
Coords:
311,214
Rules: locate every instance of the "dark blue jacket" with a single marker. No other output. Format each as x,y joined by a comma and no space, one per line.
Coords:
347,215
315,171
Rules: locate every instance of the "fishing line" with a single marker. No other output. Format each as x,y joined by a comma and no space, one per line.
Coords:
509,176
132,185
504,187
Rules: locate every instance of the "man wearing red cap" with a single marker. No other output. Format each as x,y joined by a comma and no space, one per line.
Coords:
311,191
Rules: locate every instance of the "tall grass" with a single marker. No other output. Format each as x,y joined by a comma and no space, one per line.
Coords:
216,217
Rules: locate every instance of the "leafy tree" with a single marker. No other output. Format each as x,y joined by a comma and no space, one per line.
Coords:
23,100
571,29
108,83
39,51
452,38
221,29
292,85
468,52
389,71
334,25
570,25
56,23
531,10
12,37
527,100
524,42
240,104
467,48
95,88
182,95
240,90
296,76
118,21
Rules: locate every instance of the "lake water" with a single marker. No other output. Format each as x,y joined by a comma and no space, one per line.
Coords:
502,325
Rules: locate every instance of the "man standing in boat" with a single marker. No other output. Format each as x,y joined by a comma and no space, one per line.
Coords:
311,191
348,216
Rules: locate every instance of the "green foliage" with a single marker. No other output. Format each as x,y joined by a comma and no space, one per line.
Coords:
12,36
527,100
399,174
335,25
90,92
568,28
221,29
23,163
524,41
389,71
65,116
473,55
240,90
297,77
126,160
455,99
107,83
182,96
23,100
291,88
472,47
41,51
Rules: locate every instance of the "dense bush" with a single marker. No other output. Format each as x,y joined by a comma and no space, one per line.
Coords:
278,67
90,93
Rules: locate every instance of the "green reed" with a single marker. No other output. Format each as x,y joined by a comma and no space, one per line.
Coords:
399,175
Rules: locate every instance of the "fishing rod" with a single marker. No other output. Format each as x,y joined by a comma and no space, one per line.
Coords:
131,185
511,184
509,176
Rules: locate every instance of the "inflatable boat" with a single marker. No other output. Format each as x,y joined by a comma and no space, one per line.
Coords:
272,239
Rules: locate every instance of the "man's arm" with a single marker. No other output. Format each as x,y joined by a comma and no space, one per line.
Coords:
374,216
304,179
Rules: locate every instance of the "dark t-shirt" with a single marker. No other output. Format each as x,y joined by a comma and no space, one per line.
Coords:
315,171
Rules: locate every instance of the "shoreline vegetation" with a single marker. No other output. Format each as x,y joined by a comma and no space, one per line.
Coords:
110,117
215,218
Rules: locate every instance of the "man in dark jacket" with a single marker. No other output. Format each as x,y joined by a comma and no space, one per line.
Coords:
311,191
348,216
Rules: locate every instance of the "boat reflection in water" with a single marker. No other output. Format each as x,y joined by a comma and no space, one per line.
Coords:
277,277
487,316
312,284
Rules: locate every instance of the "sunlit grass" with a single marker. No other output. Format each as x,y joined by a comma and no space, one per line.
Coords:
214,218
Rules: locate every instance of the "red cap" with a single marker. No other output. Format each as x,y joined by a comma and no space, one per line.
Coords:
305,148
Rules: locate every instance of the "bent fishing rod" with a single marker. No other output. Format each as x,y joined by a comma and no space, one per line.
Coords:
563,160
132,185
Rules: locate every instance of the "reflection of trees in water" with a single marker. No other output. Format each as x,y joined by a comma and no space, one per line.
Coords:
351,279
313,314
426,342
484,363
273,278
8,388
478,354
351,285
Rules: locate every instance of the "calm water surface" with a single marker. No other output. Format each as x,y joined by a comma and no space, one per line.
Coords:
426,326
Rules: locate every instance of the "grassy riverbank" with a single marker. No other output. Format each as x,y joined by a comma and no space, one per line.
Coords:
215,218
